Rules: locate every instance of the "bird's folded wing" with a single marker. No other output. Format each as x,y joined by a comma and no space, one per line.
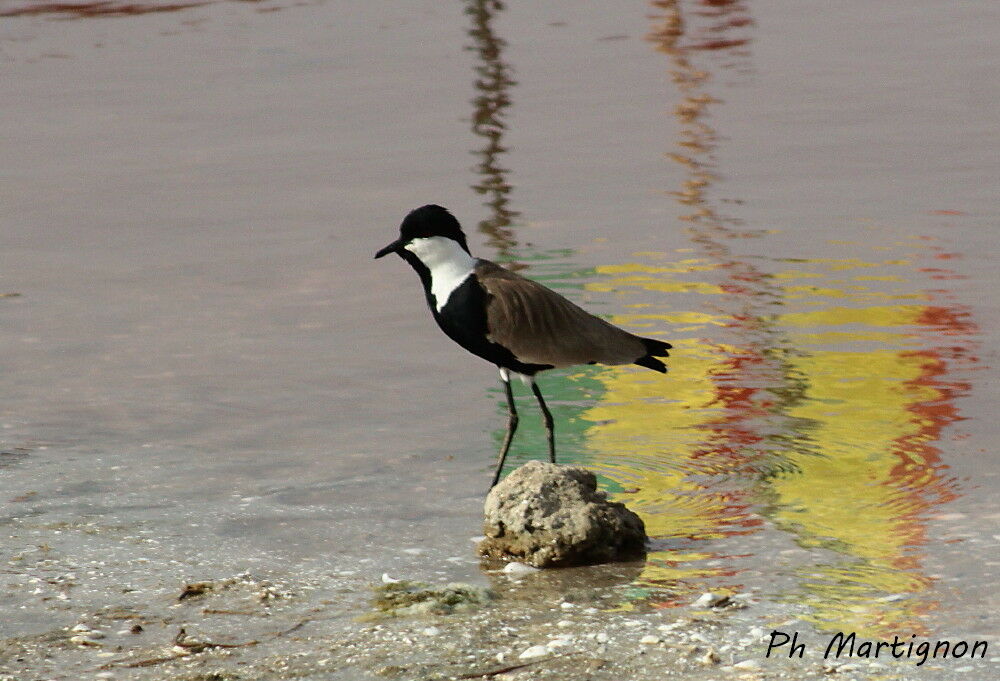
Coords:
539,326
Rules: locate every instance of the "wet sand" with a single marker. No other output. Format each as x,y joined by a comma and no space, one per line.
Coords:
207,378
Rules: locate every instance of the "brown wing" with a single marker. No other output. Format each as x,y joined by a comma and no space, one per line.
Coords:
541,327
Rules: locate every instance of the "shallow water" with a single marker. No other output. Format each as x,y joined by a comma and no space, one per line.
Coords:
206,373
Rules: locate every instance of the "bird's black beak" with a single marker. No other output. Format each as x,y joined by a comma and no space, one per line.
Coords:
391,248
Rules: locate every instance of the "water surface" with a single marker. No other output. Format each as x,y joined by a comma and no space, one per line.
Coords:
205,371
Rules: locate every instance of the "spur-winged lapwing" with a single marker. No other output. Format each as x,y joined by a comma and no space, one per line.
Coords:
514,322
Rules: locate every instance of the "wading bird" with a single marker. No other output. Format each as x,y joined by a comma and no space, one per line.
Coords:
513,322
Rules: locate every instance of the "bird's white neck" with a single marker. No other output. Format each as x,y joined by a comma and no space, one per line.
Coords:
448,263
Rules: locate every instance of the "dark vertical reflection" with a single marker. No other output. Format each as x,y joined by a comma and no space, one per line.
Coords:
90,9
492,83
491,105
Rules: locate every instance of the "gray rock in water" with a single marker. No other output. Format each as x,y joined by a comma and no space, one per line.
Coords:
548,515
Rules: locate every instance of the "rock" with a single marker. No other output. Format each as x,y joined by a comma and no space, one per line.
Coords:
710,658
559,641
195,589
711,600
548,515
532,652
516,568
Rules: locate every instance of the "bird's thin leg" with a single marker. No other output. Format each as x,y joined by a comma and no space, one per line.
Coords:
511,426
548,421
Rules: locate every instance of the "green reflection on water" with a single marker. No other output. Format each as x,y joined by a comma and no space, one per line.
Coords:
568,392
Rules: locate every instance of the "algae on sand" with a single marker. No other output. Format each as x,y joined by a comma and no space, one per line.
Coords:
407,597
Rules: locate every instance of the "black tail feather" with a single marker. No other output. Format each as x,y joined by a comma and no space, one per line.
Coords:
654,348
651,363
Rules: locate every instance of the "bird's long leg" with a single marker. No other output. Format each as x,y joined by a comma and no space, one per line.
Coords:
548,421
511,425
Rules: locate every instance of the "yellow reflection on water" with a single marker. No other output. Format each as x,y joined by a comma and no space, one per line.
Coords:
833,443
876,315
806,395
862,494
663,286
646,440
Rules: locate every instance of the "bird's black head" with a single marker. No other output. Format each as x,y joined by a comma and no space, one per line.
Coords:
426,221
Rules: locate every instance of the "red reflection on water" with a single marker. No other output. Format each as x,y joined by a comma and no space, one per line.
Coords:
736,434
920,468
736,289
917,476
718,44
728,15
759,385
948,321
733,438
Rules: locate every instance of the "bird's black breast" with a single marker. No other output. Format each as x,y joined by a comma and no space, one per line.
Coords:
463,318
